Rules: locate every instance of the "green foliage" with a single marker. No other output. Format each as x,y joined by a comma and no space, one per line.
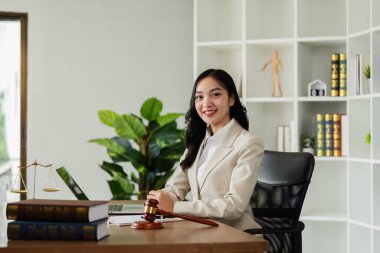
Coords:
368,138
152,143
367,71
307,141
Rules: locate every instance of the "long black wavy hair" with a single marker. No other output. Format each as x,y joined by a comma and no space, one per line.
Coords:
196,127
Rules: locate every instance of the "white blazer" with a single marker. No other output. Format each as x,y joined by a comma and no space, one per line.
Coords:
227,184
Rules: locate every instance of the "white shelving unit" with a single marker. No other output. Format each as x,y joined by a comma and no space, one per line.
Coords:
342,207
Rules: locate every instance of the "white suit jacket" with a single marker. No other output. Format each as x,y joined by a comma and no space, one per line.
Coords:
227,184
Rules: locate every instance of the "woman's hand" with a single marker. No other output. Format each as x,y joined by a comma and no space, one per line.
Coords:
165,202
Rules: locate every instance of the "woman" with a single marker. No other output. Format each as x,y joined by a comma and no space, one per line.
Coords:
221,163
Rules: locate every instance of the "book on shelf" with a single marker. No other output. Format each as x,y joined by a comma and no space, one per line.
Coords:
342,75
334,74
321,147
57,210
338,74
337,135
332,131
33,230
344,136
284,138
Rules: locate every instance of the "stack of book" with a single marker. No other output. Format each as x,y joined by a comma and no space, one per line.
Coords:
338,74
332,134
48,219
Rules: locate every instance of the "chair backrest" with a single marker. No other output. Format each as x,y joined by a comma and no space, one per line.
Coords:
282,185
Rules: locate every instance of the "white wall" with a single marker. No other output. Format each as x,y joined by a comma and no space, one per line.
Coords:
86,55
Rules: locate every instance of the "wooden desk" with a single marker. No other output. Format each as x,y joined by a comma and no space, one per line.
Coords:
178,236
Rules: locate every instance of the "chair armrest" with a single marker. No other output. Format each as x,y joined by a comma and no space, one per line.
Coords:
281,230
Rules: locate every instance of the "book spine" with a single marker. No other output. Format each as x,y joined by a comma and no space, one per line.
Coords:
287,144
329,139
342,75
47,213
337,133
280,138
334,75
23,230
321,135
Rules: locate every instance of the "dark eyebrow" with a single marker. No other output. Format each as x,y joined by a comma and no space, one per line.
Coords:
210,90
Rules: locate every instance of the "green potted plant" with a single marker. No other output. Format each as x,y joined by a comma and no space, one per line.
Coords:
367,75
307,143
152,143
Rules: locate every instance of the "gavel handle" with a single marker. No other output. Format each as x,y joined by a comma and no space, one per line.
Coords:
188,217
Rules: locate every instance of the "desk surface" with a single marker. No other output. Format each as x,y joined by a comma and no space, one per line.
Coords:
177,236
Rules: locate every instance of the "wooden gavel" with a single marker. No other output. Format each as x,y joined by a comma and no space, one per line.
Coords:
151,209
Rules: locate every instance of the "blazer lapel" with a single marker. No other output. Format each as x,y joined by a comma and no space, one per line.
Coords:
223,149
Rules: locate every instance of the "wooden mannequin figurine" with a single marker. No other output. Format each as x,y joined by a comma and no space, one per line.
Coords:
276,62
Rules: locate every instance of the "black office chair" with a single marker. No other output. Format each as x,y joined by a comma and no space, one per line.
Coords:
278,198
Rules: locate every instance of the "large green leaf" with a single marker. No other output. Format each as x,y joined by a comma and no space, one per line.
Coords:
111,145
117,191
125,183
107,117
161,180
151,109
129,127
113,169
167,118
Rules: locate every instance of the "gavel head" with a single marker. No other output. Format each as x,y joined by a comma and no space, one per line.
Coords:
150,209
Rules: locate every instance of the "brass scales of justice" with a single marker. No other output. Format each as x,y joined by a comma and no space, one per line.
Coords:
19,185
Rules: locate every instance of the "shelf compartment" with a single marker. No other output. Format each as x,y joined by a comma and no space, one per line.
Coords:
359,45
359,126
259,83
375,135
324,237
375,14
265,117
226,57
360,192
321,18
359,239
376,195
219,20
375,68
332,197
272,14
314,62
376,241
307,112
359,15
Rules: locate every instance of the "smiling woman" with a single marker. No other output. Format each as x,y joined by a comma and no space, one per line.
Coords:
13,96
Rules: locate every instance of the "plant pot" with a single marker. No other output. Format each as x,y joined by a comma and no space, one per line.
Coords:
308,150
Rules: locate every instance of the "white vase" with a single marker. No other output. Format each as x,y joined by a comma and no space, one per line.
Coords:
308,150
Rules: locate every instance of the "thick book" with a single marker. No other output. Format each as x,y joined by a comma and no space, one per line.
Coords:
57,210
337,135
342,75
321,145
334,75
329,135
32,230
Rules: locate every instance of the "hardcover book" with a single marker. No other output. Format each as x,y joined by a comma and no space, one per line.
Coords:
31,230
337,146
342,75
329,138
321,145
57,210
334,75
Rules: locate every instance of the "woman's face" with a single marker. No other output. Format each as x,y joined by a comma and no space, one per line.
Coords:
212,103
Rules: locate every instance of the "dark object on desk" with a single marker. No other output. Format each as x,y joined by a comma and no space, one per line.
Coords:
278,198
71,184
150,211
31,230
57,210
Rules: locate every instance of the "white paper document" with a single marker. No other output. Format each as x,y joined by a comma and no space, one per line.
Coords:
126,220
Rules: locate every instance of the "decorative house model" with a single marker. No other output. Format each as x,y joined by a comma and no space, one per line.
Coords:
317,88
